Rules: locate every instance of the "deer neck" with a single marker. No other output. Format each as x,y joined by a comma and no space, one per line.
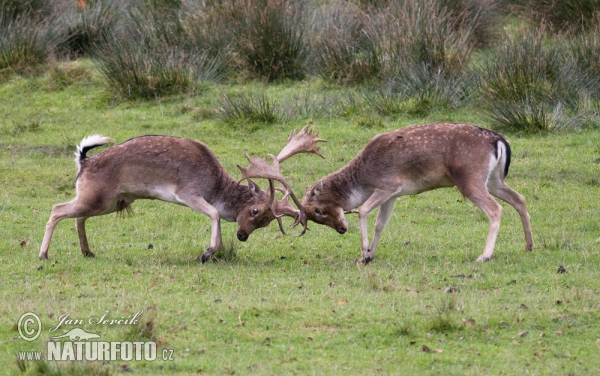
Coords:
231,198
345,187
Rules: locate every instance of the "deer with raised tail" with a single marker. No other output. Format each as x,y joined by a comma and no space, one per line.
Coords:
180,171
413,160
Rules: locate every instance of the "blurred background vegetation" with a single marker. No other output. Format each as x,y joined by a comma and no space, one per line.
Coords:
527,65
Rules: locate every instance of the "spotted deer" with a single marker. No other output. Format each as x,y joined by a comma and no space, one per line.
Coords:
413,160
180,171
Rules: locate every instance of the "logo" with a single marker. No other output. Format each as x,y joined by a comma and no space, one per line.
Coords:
29,326
80,344
77,334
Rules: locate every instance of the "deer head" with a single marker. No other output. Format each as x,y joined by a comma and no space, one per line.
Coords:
304,141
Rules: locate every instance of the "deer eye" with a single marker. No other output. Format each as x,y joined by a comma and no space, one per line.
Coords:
254,211
318,212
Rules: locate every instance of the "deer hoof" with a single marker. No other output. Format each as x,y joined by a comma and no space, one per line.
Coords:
204,257
483,258
89,254
363,261
43,257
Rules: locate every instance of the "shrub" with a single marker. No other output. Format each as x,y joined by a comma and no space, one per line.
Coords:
531,87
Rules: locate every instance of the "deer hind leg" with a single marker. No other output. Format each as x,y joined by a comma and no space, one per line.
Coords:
500,189
85,248
199,204
78,208
479,195
81,208
385,201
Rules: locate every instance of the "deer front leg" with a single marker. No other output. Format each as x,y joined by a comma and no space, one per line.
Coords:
199,204
216,241
385,211
382,199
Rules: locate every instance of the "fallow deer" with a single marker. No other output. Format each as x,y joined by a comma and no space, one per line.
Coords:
412,160
175,170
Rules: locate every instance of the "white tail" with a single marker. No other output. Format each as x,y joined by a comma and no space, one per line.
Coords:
88,143
413,160
170,169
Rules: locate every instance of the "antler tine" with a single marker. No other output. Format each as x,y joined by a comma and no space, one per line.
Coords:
302,142
261,169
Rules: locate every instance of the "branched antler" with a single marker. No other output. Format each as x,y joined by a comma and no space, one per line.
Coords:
302,142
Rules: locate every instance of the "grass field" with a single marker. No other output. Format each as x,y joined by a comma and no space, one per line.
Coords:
287,305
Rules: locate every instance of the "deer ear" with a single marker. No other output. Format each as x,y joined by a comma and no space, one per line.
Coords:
254,188
315,191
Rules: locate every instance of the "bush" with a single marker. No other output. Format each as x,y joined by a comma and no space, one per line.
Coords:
531,87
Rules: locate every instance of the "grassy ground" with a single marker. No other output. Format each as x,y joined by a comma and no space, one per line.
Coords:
286,305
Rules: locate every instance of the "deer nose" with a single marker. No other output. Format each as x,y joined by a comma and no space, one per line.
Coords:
242,236
342,230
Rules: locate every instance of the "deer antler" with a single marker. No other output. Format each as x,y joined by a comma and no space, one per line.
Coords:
302,142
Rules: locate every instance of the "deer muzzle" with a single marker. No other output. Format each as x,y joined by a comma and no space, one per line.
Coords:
242,236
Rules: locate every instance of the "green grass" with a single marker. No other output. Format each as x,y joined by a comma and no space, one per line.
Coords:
286,305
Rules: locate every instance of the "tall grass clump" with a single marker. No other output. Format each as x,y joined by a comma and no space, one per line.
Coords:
25,43
87,24
37,9
561,15
344,44
146,70
249,108
151,59
585,49
269,37
483,17
530,86
425,50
